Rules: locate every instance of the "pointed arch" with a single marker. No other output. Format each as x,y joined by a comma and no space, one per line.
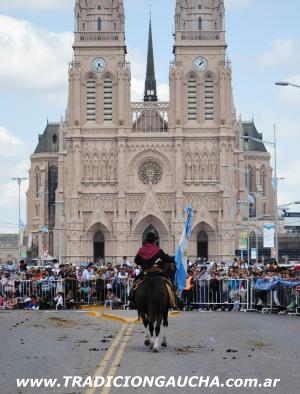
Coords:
263,179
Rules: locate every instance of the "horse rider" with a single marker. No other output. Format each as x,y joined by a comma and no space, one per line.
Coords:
152,261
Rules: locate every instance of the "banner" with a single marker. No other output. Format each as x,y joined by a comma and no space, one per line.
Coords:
182,251
243,240
253,254
269,235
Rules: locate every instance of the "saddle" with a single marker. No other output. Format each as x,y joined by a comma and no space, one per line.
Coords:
168,283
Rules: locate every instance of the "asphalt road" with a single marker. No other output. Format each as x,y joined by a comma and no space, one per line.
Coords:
223,345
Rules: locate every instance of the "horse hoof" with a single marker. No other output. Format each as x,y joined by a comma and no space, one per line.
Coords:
155,350
147,343
164,344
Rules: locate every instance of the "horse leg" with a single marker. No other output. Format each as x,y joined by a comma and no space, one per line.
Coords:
165,325
151,329
157,331
147,337
164,341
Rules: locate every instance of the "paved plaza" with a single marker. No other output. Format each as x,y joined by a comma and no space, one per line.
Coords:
228,345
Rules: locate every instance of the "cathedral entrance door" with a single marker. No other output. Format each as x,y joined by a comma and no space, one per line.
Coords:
151,229
99,246
202,245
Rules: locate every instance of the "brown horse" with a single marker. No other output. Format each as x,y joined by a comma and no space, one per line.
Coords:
152,302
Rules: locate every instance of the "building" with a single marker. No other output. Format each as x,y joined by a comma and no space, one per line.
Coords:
113,169
9,248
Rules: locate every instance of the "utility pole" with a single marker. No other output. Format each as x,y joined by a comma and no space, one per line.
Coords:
276,196
19,181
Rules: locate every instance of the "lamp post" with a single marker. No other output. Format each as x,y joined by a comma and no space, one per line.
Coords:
283,83
19,181
59,205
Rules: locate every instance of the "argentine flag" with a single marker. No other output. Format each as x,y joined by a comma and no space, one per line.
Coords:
182,250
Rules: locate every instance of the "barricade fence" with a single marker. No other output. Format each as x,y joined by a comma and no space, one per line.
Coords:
213,294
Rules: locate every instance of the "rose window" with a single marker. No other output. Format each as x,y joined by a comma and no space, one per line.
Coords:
150,173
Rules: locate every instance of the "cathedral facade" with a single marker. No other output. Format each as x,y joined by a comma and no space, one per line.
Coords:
113,170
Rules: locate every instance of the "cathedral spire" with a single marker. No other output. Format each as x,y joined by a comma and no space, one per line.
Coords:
150,83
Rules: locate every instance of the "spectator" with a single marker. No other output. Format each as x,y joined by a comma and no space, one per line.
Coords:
59,301
110,297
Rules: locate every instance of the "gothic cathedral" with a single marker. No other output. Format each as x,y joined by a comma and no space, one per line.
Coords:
113,170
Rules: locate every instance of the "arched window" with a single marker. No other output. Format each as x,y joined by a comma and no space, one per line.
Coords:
200,23
99,7
99,24
91,99
199,7
108,100
192,98
263,180
209,98
37,184
249,179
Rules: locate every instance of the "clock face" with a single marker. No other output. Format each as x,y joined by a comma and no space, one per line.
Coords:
200,63
99,64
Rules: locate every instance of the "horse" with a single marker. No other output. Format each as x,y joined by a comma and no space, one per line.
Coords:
152,302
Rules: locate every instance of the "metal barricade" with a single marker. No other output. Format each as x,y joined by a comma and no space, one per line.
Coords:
220,294
279,299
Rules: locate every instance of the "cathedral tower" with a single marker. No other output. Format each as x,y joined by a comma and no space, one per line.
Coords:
202,116
97,118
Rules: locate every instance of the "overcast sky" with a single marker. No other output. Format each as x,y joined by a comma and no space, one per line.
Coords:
36,45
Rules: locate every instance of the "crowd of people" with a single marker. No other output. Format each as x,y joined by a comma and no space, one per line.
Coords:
210,285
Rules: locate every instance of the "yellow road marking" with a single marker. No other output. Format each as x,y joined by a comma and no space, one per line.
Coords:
126,320
118,357
105,360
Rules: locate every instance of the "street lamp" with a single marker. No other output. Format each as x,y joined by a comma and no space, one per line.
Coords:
283,83
19,181
290,203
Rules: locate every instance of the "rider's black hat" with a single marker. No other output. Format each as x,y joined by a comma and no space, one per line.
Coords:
151,237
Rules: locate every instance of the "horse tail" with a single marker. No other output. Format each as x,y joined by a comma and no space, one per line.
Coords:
153,300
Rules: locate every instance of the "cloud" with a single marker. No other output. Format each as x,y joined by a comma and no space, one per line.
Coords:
233,4
10,146
32,59
36,5
283,52
12,149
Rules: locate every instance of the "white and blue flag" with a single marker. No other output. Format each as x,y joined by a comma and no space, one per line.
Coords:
22,225
182,250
